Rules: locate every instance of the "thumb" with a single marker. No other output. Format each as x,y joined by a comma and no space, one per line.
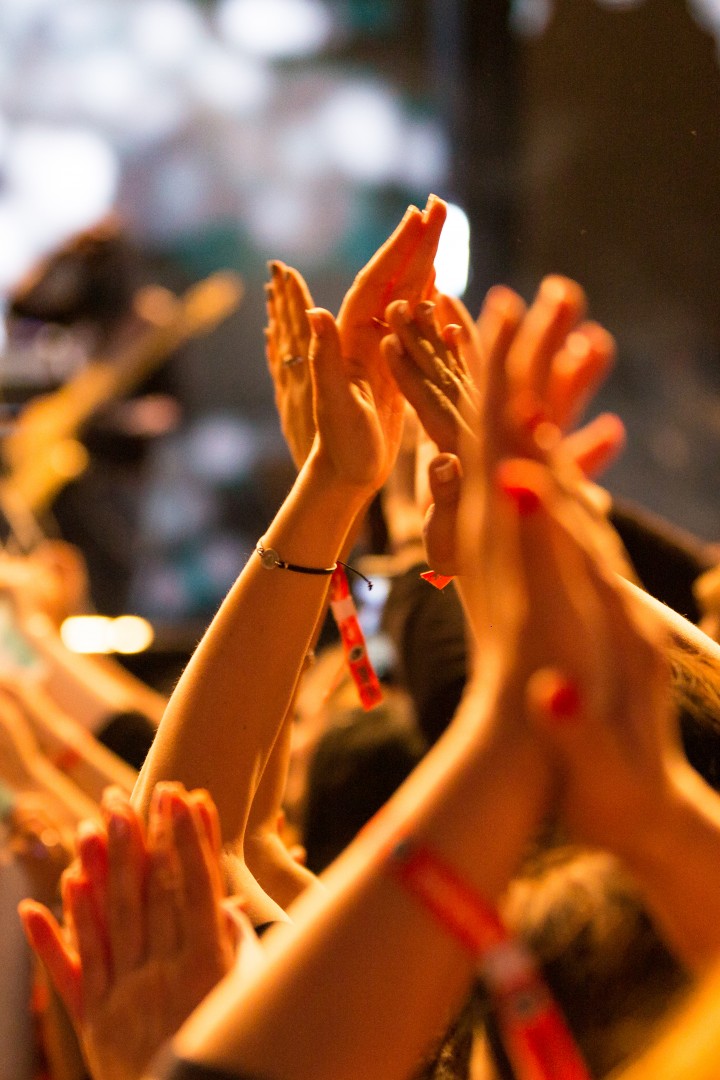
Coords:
440,529
326,367
46,940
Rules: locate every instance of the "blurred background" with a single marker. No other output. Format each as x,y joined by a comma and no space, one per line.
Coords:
577,136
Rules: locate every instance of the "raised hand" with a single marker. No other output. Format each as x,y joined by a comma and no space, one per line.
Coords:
287,346
514,376
148,935
402,267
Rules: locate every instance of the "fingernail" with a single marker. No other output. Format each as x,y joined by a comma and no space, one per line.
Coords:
425,308
526,500
380,323
553,289
564,702
86,830
445,471
316,321
119,826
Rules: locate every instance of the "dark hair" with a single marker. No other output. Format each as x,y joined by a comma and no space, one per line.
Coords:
357,766
609,971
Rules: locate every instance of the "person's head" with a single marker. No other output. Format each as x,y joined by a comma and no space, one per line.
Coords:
357,765
610,973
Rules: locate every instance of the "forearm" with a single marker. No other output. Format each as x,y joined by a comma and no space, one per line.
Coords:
367,973
676,861
266,855
223,718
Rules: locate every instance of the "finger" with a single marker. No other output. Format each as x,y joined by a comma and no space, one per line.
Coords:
452,310
596,445
96,971
126,881
330,380
164,879
92,845
419,336
372,289
61,963
418,269
436,411
440,528
569,624
557,308
434,353
298,299
203,802
578,369
281,326
272,331
498,324
201,896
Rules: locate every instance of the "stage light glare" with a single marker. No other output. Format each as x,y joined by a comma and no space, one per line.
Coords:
131,634
87,634
278,29
453,255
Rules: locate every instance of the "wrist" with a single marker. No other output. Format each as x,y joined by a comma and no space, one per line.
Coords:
659,826
352,494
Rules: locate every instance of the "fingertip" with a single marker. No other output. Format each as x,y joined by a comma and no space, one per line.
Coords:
396,311
435,209
556,289
320,320
391,347
444,475
520,483
505,301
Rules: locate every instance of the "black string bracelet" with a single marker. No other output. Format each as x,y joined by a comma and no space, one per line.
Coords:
272,561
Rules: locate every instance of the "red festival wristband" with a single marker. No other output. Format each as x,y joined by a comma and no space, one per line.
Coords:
533,1029
345,614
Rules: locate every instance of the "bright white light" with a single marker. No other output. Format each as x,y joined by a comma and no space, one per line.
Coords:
82,24
301,221
17,250
363,129
66,176
131,634
87,634
166,32
275,28
20,16
223,80
706,14
106,81
453,255
101,635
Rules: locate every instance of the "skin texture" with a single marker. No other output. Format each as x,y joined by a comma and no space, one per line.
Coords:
146,936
